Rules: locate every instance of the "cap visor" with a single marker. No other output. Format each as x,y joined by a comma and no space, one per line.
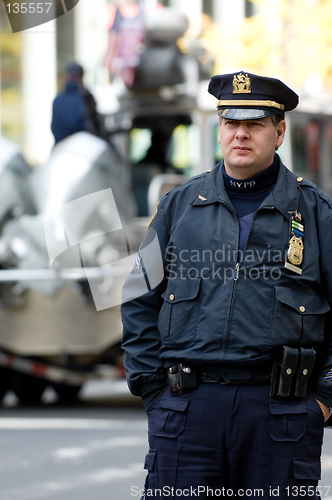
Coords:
246,114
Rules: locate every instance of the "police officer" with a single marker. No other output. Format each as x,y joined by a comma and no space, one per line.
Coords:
230,346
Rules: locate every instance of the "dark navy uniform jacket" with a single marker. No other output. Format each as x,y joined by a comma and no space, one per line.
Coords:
225,310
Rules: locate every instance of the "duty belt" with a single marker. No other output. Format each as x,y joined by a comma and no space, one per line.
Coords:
289,375
182,377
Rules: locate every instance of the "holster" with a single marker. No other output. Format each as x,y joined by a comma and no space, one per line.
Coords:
305,368
283,372
291,371
181,377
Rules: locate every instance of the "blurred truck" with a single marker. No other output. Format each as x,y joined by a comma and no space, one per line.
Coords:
60,225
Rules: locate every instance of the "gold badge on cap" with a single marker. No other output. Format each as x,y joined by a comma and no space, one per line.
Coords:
241,84
294,255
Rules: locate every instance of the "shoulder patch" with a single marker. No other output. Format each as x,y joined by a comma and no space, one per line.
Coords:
138,259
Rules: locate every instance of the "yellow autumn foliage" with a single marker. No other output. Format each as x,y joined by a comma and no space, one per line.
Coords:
291,39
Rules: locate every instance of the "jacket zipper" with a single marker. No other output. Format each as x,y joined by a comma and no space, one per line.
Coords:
236,273
225,340
236,277
252,224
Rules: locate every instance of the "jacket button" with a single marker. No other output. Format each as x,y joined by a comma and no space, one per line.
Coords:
171,297
302,309
299,179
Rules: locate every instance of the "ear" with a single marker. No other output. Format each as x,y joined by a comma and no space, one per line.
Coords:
219,140
281,129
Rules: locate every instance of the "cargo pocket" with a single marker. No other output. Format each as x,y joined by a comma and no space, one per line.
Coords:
178,316
307,469
170,418
299,311
287,421
151,482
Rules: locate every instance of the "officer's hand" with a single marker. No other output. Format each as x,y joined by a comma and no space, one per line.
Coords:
325,410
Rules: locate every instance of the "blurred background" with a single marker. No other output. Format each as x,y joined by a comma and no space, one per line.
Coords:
289,39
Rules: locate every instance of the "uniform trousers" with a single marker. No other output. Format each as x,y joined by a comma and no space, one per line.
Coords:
233,441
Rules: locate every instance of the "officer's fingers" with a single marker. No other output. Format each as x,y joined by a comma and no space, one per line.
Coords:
325,410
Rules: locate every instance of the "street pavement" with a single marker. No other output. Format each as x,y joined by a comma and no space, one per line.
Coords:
93,450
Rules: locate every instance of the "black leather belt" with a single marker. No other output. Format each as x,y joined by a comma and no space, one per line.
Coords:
266,379
183,377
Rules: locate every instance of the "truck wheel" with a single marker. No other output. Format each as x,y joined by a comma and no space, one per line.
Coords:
5,381
67,393
28,389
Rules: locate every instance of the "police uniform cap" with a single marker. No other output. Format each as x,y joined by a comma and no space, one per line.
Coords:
245,96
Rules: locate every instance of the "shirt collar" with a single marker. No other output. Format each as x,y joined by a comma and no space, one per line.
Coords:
258,182
283,196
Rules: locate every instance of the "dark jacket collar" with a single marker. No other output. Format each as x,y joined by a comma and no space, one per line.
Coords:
283,196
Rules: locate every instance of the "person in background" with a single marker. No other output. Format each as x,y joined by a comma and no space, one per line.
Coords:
74,109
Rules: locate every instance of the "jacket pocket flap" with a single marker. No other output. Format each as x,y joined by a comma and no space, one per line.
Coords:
177,404
150,459
181,289
302,300
307,468
287,409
